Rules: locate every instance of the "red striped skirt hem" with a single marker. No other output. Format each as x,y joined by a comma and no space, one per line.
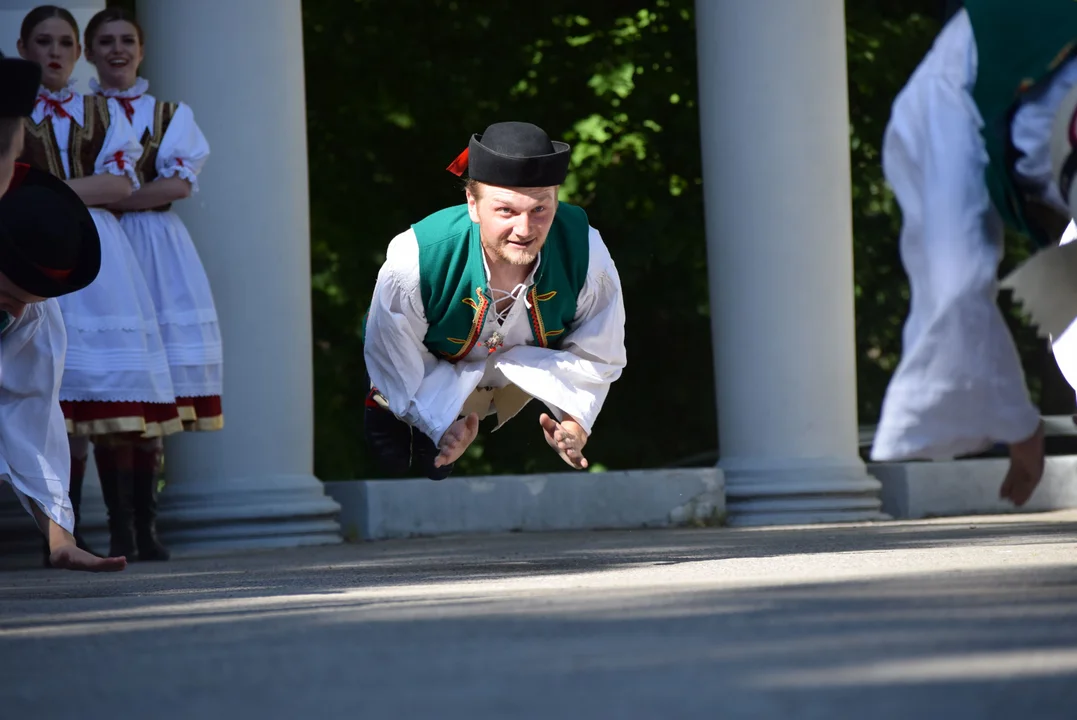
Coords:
200,414
108,418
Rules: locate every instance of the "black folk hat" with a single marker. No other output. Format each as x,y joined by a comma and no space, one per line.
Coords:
49,244
514,154
19,82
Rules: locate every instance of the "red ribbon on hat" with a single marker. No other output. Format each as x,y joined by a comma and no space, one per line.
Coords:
459,165
56,275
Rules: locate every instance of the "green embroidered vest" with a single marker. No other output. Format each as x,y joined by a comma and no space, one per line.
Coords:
452,280
1019,44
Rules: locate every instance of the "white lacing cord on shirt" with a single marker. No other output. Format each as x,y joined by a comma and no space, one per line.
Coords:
498,294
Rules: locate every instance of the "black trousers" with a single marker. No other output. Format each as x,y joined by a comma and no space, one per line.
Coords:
399,449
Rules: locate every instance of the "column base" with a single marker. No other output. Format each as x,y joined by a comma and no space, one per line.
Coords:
810,492
252,513
197,518
917,490
383,509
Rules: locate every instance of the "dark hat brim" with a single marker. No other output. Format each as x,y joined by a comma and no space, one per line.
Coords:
24,272
19,83
494,168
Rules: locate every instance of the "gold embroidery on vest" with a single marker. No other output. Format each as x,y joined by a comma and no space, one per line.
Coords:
477,323
1062,55
542,335
41,150
146,167
88,140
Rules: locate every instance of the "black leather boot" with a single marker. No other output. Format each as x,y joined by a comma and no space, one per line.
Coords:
78,474
117,488
146,460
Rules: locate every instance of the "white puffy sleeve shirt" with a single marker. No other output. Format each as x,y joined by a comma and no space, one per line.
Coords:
429,393
184,149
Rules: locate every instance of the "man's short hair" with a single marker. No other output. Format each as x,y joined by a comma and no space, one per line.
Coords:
8,126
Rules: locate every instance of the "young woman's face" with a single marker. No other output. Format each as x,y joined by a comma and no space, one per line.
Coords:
116,53
54,45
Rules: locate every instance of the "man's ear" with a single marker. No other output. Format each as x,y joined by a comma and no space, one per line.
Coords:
472,206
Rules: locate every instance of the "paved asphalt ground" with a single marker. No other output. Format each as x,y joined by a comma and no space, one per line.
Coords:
958,618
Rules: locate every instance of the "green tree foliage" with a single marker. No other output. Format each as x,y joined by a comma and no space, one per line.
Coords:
394,91
394,94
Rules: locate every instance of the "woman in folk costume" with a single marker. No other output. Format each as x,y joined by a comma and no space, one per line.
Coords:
116,387
967,152
174,151
49,247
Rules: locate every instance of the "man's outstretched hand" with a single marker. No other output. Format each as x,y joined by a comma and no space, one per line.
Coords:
456,440
567,438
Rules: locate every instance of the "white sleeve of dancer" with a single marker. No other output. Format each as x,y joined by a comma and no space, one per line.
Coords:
121,149
421,389
575,379
184,149
34,453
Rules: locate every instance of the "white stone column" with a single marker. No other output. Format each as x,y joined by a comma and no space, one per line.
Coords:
775,145
239,65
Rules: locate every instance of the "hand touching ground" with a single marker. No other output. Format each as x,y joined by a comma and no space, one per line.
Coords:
70,557
567,438
64,552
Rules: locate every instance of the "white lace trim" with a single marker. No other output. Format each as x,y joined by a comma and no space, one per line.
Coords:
141,87
187,318
184,172
109,323
60,95
128,170
198,394
68,99
107,396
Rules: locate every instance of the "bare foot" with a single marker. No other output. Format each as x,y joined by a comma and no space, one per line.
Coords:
70,557
567,439
456,440
1026,469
